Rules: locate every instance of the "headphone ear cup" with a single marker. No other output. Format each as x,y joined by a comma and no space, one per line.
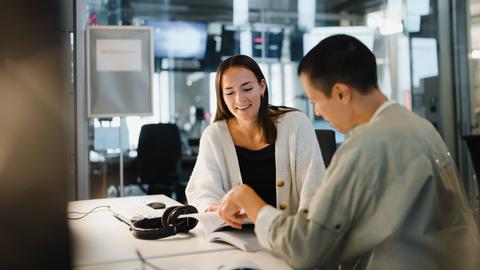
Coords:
183,224
150,229
166,215
169,224
191,222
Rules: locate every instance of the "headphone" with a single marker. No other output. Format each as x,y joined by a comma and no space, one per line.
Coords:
167,225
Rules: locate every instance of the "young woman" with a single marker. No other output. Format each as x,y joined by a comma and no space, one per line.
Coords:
272,149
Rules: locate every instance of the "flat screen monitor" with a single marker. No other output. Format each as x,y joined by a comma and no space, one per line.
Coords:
363,33
230,42
269,41
212,55
296,45
108,138
179,39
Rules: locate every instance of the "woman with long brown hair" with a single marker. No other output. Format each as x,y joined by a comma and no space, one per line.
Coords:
273,149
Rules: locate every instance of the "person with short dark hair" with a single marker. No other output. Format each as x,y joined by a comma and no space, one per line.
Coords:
273,149
391,197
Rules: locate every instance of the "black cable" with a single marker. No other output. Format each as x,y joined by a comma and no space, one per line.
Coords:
145,262
84,213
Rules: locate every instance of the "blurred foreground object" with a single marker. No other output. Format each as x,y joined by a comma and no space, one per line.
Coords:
32,138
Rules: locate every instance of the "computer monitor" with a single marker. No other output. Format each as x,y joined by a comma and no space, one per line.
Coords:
212,56
106,138
230,42
179,39
363,33
270,41
296,45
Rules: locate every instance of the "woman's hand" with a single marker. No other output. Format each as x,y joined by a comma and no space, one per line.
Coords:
229,210
238,198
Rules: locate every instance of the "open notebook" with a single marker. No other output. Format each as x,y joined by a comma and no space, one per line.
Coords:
217,230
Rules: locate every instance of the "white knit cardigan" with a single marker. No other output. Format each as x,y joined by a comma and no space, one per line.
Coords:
298,163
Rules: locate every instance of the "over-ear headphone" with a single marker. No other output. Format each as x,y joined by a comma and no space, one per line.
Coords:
169,224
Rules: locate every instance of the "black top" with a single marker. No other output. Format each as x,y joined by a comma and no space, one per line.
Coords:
258,171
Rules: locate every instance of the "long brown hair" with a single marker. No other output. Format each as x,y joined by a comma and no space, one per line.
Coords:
267,114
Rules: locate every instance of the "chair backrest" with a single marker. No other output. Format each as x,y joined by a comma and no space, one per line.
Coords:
159,151
473,143
326,141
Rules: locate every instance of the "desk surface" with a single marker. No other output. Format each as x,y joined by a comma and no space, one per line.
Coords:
100,241
218,260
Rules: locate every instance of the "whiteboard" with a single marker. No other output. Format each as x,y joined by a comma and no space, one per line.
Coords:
120,67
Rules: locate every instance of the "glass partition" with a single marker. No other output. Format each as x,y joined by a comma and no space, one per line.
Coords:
193,37
471,116
475,63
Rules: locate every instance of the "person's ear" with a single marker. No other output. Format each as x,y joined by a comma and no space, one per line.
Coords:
263,86
342,92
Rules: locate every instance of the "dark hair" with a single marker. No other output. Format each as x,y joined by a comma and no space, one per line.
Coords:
340,59
267,114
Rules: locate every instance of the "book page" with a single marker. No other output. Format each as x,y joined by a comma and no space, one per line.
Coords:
244,239
217,230
211,221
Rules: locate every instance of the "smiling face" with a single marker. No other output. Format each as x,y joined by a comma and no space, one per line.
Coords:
336,109
242,92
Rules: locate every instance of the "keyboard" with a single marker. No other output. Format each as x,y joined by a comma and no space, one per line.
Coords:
132,212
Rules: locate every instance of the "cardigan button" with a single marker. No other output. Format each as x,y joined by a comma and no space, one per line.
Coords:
280,183
283,206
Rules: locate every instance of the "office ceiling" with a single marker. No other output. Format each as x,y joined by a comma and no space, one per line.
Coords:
275,11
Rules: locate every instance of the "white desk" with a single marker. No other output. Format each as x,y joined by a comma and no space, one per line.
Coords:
218,260
100,241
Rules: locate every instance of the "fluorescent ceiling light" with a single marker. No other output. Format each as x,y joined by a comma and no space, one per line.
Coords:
306,14
240,12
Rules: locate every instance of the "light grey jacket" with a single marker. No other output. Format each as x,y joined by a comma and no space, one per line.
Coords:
391,199
298,163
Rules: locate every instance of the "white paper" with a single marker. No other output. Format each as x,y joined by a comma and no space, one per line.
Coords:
217,230
119,55
244,239
209,220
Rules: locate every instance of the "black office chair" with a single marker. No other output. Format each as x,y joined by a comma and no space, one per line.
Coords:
158,160
326,141
473,143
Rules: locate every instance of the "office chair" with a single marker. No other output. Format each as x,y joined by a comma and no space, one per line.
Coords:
326,141
158,159
473,144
